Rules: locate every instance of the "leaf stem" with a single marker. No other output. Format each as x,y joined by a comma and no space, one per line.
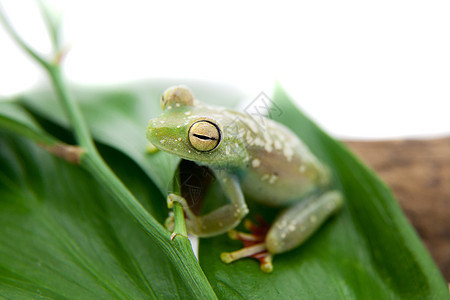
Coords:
35,134
52,23
20,41
80,128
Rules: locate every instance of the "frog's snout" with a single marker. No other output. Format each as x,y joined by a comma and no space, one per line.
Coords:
166,136
161,134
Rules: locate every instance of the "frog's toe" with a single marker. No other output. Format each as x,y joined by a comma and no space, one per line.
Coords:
266,262
254,245
169,223
257,251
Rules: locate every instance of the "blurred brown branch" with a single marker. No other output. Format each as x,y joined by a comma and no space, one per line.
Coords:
418,172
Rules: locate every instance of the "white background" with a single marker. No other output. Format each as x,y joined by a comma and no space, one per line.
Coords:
362,69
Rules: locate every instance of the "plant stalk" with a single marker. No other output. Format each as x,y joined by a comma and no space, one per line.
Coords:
72,110
180,224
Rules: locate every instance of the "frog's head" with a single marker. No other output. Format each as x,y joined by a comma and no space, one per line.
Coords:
195,132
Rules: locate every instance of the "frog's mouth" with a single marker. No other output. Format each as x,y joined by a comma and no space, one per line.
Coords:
195,181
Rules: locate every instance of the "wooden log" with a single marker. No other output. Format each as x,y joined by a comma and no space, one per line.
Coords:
418,171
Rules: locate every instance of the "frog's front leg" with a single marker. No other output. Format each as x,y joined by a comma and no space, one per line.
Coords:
221,219
291,228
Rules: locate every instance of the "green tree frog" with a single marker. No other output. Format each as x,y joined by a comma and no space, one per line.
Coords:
266,162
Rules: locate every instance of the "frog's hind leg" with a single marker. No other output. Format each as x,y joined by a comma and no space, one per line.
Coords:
290,229
296,224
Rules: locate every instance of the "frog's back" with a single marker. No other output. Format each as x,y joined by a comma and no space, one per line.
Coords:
280,168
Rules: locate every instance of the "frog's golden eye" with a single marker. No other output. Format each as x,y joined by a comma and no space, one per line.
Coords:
176,96
204,135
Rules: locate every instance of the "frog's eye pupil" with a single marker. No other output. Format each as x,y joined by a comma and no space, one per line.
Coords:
204,135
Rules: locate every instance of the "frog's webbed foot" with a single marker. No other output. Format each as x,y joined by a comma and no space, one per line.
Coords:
254,245
190,218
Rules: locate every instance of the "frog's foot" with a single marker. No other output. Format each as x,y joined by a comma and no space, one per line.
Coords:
150,148
254,245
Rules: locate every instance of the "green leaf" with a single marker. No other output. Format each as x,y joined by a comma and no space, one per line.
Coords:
367,251
62,236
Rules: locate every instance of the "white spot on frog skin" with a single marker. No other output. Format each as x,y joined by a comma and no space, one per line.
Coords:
177,104
174,149
189,151
255,163
169,107
162,141
313,219
272,179
278,145
268,147
178,126
187,113
283,235
179,139
302,169
258,142
287,151
291,227
265,177
162,121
